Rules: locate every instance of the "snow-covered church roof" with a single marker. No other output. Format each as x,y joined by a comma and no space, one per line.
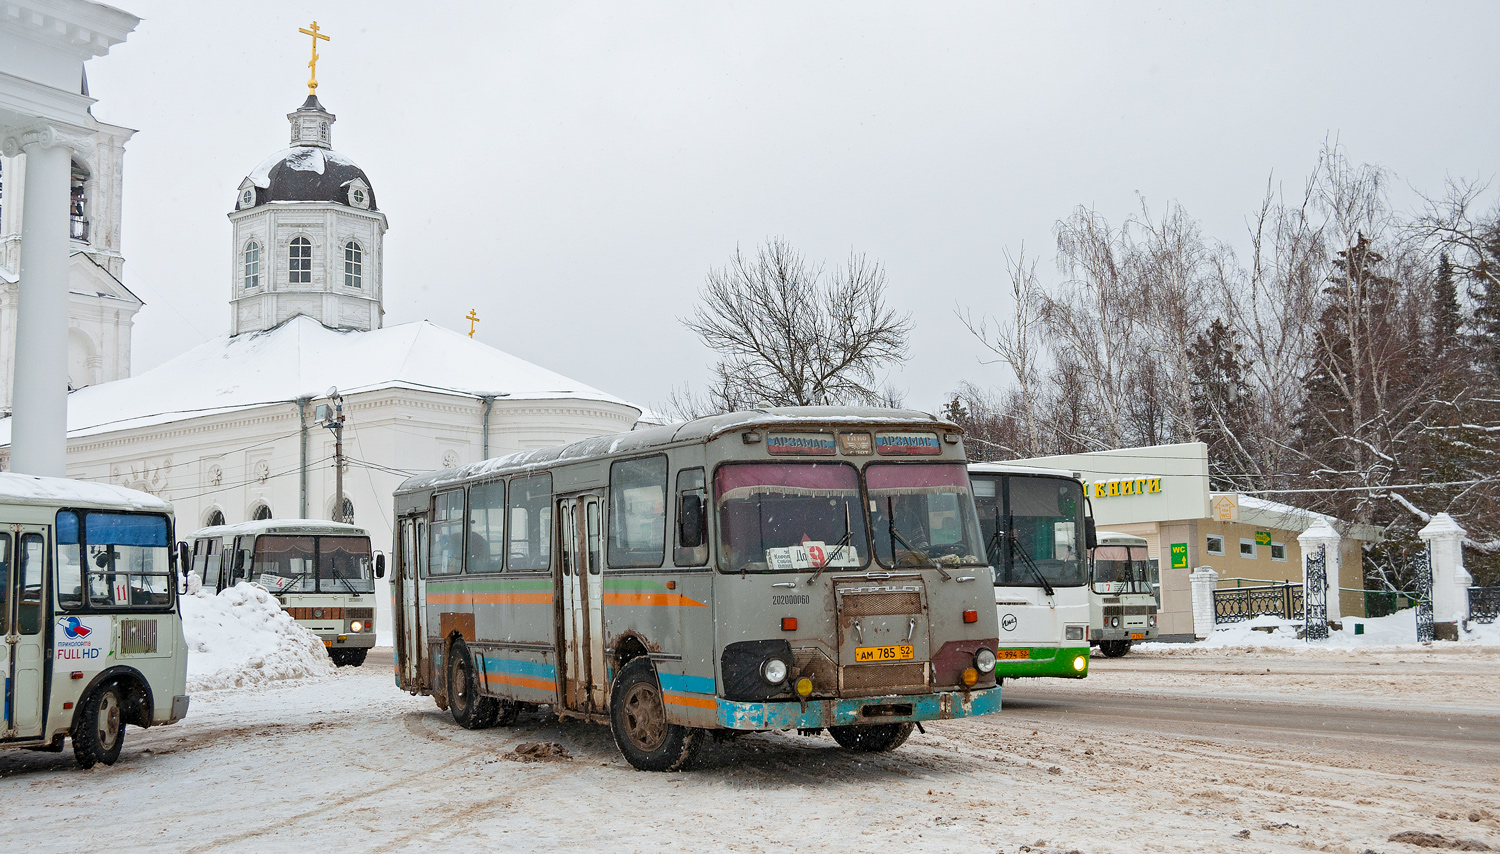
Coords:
303,358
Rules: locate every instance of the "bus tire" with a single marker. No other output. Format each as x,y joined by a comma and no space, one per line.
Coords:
353,658
99,728
470,710
1114,648
871,738
638,719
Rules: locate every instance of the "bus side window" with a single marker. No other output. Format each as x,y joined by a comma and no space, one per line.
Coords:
638,512
447,537
530,515
4,584
692,519
33,565
69,573
213,563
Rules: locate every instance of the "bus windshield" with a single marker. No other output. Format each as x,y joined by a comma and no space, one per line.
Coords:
308,564
1045,523
116,560
786,517
921,514
1123,569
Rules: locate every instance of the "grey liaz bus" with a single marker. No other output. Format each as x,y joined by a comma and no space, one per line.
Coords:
811,567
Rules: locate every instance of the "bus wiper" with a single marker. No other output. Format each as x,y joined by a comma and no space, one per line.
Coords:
347,584
839,549
282,588
1015,542
890,521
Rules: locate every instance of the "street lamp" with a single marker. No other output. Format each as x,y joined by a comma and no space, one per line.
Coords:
332,418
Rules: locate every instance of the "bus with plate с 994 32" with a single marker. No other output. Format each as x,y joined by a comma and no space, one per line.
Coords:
803,567
1123,590
1037,530
322,573
89,611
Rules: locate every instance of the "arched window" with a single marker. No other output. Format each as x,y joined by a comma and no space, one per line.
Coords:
262,512
299,262
354,265
252,265
215,517
348,515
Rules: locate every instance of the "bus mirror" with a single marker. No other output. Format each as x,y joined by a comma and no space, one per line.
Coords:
690,523
184,557
1090,536
379,565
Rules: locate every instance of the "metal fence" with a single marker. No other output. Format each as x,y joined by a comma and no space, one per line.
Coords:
1484,604
1237,604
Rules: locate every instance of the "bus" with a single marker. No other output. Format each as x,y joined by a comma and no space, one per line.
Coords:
1037,531
89,610
1123,590
785,568
322,573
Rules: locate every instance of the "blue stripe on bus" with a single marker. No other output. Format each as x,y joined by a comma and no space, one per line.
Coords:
689,684
823,713
521,668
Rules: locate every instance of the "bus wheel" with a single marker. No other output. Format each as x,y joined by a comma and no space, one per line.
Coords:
353,658
872,738
638,720
1114,648
99,729
470,710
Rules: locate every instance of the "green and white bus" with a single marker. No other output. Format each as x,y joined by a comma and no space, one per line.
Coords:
809,568
1037,532
89,611
322,573
1123,590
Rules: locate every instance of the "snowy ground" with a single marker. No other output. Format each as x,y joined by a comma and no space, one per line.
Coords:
1201,749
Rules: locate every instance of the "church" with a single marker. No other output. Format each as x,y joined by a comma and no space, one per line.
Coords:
230,430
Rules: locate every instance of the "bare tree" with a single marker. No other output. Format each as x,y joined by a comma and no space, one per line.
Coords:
788,334
1018,345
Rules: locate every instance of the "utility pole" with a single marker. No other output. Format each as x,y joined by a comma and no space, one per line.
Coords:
333,419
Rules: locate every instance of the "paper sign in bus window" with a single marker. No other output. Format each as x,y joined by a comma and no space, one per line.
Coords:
811,555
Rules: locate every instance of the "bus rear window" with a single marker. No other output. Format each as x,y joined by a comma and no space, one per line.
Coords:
784,517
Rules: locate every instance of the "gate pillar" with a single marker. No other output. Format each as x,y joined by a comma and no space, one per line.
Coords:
1450,581
1320,533
1204,582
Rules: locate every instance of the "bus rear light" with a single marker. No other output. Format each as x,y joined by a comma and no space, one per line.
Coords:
77,674
789,624
971,616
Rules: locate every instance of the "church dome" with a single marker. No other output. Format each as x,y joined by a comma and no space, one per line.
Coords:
307,173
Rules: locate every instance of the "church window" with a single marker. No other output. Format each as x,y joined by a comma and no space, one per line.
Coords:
323,131
262,512
215,517
347,512
252,265
300,266
358,196
78,220
248,198
354,265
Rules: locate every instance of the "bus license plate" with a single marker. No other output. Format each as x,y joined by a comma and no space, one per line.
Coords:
884,653
1137,636
328,643
1012,654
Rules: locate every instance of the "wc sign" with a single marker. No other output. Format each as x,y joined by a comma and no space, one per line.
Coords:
81,640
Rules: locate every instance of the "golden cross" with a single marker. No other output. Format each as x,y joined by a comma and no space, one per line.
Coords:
473,318
312,80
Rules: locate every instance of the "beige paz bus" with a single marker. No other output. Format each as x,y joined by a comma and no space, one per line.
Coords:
89,611
322,573
811,568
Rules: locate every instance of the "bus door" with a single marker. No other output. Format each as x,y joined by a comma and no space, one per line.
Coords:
581,594
25,622
411,635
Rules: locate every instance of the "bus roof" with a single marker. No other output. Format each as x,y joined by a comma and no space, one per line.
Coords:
1018,468
699,429
281,526
65,492
1115,538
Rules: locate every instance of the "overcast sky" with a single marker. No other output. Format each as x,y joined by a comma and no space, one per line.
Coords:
572,171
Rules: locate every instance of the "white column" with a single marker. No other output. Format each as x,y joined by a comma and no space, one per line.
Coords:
40,401
1204,581
1320,533
1450,581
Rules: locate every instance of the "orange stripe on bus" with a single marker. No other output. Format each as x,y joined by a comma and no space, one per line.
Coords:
670,599
695,702
520,681
490,599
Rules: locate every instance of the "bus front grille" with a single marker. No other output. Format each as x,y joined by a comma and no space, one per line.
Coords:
870,679
874,604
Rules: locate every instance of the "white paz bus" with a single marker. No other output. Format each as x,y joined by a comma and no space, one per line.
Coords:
89,610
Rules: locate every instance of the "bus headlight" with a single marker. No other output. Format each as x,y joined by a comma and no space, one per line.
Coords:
356,627
1114,622
774,671
1153,619
985,660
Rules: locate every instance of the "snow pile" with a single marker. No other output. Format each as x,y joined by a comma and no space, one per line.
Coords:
1397,630
241,637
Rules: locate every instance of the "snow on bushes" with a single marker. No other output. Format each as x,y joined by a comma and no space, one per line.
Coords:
241,637
1397,631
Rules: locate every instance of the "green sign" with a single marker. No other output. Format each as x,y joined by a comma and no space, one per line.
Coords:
1179,556
1262,538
